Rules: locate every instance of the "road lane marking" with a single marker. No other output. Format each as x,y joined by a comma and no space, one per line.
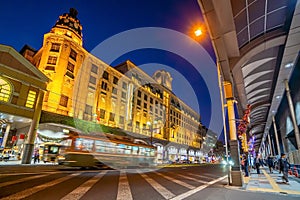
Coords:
27,192
159,188
21,180
80,191
191,178
124,191
195,190
201,176
176,181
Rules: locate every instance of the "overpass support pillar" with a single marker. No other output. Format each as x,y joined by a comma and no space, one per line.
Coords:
276,136
292,111
236,173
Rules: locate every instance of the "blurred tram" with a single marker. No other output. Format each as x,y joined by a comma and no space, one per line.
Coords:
98,150
49,152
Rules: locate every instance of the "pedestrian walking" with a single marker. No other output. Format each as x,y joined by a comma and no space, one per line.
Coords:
36,156
284,165
270,163
246,165
257,164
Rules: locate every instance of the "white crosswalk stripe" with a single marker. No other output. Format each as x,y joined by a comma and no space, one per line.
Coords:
176,181
191,178
159,188
31,191
124,191
83,188
22,180
201,176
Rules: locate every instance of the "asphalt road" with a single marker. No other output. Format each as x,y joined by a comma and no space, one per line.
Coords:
54,182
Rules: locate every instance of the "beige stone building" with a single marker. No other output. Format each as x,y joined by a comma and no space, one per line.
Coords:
84,87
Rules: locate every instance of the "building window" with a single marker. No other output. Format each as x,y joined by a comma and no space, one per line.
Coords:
121,120
52,60
105,75
55,47
115,81
73,54
124,85
30,99
112,117
88,109
50,68
137,124
104,85
145,105
138,102
92,80
145,97
70,67
123,95
5,90
94,69
114,90
102,114
139,93
64,100
151,100
70,75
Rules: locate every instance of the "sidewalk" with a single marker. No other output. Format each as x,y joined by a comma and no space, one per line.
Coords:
18,162
271,182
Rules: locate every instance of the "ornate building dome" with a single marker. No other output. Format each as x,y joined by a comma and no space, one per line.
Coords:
70,21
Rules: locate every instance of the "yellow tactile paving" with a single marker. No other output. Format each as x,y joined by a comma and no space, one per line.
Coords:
275,187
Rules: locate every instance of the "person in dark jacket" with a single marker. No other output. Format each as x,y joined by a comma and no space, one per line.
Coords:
246,165
270,164
257,164
284,165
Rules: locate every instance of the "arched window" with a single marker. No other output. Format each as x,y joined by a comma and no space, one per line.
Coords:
5,90
289,125
298,112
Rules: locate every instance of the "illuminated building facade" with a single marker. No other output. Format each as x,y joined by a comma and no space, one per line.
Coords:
84,87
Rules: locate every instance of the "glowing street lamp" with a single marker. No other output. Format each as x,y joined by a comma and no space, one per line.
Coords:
198,32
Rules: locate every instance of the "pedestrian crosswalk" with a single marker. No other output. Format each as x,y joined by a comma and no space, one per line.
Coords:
124,188
86,181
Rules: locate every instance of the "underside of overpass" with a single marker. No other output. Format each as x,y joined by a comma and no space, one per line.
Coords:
257,45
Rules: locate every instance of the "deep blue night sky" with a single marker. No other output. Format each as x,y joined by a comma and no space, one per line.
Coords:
25,22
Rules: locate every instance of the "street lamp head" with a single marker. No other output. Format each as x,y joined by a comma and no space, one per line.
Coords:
198,32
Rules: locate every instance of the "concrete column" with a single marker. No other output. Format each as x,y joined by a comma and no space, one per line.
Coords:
270,144
231,118
276,136
236,173
8,125
293,116
28,150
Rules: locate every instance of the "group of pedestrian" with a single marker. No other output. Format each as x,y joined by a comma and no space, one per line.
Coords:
282,164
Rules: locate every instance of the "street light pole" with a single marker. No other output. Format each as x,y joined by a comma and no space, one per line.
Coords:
150,124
